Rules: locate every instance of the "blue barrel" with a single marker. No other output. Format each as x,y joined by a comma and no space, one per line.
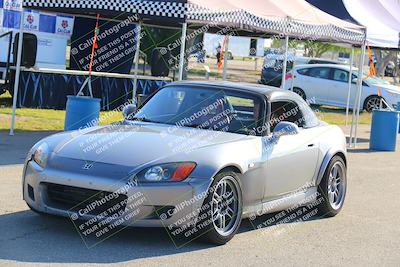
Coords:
384,130
398,109
81,112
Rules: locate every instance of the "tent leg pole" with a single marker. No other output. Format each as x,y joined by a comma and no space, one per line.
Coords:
17,72
360,91
137,52
358,95
224,73
350,85
182,54
285,62
292,84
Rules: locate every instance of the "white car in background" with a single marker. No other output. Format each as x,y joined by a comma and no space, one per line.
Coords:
327,84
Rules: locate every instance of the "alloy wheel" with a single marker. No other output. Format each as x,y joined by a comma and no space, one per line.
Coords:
225,206
336,186
372,103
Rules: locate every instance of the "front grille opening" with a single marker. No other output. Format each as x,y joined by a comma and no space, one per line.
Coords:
31,193
82,199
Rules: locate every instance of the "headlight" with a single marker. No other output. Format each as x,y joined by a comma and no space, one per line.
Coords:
171,172
41,154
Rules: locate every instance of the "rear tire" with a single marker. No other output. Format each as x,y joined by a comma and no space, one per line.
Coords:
333,187
300,92
223,206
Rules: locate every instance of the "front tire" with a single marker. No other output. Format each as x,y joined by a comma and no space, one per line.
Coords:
373,102
333,188
224,208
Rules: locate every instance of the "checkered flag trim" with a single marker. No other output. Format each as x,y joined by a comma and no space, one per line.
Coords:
247,21
192,13
166,9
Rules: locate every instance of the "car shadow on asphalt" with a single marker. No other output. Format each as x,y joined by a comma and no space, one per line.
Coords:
361,150
281,221
29,237
359,140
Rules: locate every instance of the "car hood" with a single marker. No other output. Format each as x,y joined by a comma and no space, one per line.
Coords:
137,143
389,87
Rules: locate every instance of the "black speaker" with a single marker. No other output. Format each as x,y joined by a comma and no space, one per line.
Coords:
160,58
253,48
29,50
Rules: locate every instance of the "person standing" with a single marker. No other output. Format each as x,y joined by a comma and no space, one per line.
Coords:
219,50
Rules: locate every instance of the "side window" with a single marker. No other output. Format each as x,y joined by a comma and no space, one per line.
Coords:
245,113
290,64
303,71
318,61
355,77
285,111
322,73
340,75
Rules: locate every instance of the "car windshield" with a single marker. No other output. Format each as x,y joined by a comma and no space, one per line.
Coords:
214,109
370,79
375,80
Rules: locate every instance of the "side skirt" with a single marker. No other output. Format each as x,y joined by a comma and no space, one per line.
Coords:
289,201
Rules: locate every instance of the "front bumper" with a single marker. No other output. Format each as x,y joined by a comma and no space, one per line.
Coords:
57,192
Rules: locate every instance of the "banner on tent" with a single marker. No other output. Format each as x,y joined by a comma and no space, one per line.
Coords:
52,30
34,21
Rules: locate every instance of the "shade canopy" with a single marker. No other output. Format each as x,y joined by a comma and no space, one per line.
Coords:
295,18
380,17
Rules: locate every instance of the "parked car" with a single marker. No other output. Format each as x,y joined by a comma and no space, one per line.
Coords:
215,152
390,70
271,73
327,84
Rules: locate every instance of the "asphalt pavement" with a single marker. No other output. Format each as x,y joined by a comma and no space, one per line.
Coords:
365,233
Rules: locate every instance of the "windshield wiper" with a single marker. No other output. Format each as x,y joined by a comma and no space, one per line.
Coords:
143,119
198,126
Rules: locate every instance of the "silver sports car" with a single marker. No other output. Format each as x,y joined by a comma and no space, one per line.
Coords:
195,158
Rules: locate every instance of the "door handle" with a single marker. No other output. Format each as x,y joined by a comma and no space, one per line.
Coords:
310,145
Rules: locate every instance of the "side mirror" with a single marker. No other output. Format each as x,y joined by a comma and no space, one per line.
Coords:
129,111
141,99
354,80
285,128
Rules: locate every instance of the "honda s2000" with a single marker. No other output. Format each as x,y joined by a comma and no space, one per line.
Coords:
196,157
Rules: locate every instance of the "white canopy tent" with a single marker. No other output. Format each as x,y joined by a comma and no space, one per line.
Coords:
295,18
380,17
286,18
